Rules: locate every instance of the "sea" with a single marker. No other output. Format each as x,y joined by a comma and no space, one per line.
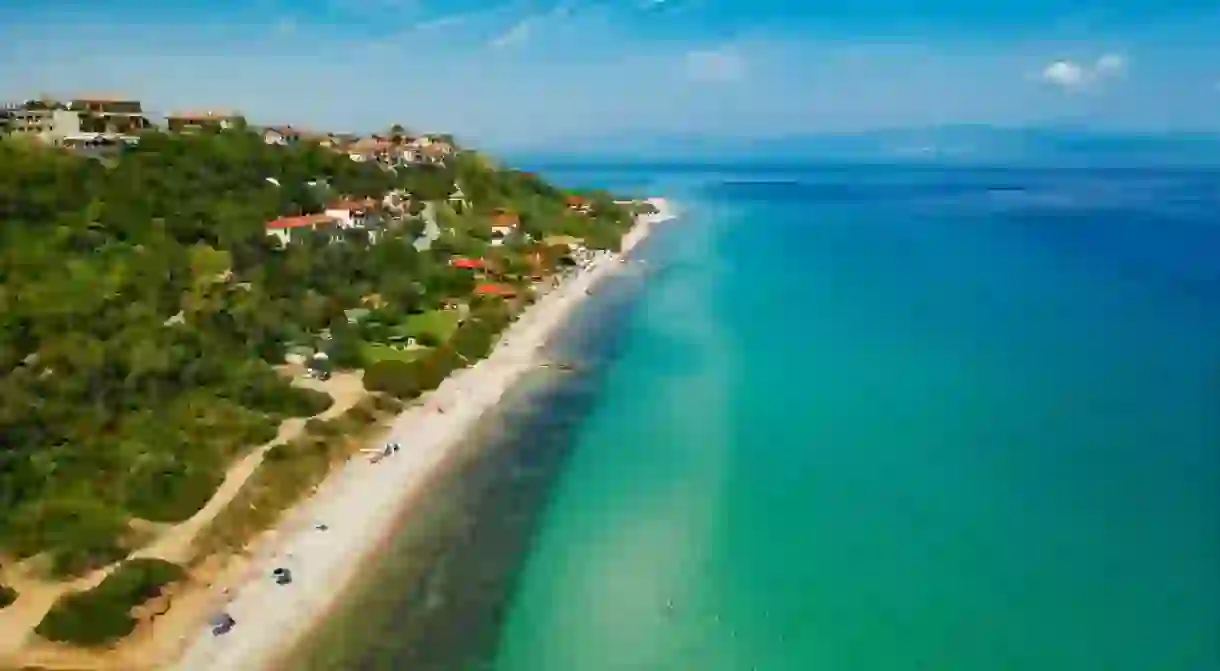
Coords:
902,417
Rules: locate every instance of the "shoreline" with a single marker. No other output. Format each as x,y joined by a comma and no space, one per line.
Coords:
361,502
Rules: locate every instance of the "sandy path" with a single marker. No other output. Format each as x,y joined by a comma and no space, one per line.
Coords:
176,545
360,503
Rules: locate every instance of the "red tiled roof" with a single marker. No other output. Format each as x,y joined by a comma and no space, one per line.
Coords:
353,204
491,289
297,222
575,200
286,131
504,218
463,262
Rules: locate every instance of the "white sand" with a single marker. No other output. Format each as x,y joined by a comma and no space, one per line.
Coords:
362,500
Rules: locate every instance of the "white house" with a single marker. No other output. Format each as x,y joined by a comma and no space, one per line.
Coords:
281,135
503,225
287,229
355,215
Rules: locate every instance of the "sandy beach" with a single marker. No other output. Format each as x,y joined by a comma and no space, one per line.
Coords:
359,504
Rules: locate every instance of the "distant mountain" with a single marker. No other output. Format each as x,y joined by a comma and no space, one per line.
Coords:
957,144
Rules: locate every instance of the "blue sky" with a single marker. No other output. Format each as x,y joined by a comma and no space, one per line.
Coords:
521,72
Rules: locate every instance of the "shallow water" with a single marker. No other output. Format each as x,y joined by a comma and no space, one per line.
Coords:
862,418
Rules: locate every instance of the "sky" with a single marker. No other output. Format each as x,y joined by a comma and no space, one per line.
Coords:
518,73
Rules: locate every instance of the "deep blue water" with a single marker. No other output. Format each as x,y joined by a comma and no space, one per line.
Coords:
886,418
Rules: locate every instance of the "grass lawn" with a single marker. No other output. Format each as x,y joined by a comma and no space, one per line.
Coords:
374,352
439,323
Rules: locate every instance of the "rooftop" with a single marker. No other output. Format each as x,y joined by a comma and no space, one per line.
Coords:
353,204
297,222
494,289
203,116
463,262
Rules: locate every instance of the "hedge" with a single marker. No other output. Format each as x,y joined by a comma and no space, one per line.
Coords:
7,595
103,614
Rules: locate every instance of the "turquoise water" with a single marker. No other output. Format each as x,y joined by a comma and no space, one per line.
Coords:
884,419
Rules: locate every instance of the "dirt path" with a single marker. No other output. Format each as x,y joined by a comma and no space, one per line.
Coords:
176,544
35,598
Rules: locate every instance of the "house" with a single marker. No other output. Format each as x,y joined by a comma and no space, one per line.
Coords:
458,200
46,120
287,229
469,264
578,204
397,200
433,153
405,156
109,114
357,214
495,289
281,135
194,122
369,149
503,225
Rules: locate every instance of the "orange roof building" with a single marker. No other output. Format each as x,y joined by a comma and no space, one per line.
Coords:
285,223
493,289
503,218
463,262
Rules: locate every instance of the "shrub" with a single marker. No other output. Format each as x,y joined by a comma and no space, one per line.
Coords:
7,596
433,368
81,533
261,432
386,403
363,413
172,491
103,614
398,378
472,340
303,402
321,427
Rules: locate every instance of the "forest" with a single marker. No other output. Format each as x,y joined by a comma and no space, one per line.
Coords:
145,312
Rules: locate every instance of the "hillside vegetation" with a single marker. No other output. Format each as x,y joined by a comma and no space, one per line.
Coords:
143,309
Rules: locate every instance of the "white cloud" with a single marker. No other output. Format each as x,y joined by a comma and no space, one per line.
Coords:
523,30
715,65
518,33
442,22
1065,74
1074,76
1110,65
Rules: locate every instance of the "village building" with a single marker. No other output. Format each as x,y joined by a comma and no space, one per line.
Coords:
281,135
109,114
467,263
578,204
355,214
495,289
504,224
45,120
290,229
195,122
